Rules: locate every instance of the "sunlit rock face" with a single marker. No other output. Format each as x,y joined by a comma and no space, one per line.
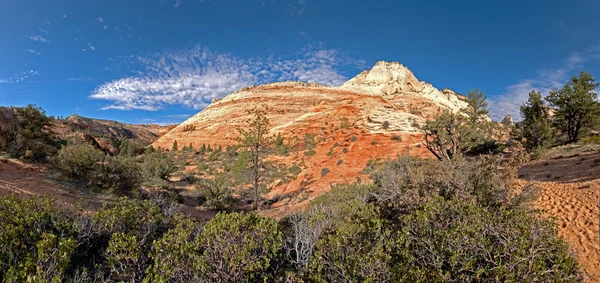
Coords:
376,114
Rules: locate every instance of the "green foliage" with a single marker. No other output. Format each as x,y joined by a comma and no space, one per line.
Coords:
239,247
150,149
357,249
324,171
216,193
128,148
257,141
175,146
535,127
158,166
177,255
457,241
25,132
576,107
84,165
76,163
117,175
477,106
36,242
444,135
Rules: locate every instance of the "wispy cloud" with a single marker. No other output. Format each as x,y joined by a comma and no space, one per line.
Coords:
19,77
43,31
195,77
508,102
81,79
34,52
39,38
100,19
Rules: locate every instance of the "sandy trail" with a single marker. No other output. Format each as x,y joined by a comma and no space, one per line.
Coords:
569,193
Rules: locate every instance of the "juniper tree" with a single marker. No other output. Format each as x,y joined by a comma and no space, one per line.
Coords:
535,127
576,107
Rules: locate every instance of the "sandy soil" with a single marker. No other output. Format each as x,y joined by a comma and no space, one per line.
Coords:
569,193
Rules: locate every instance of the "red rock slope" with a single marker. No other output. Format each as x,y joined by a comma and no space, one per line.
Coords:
374,115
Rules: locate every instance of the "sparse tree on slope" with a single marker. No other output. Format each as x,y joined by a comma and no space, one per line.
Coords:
576,106
256,140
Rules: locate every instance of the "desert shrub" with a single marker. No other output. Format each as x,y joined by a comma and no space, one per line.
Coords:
76,163
310,152
25,133
86,166
339,162
176,255
591,140
353,138
36,242
324,171
451,240
117,175
216,194
295,170
239,247
397,138
355,250
385,125
158,166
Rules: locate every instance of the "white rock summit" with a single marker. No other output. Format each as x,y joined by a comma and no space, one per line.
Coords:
393,78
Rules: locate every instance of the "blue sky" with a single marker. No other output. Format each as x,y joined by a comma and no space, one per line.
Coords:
160,61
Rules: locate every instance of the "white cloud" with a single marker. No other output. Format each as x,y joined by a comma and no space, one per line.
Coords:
43,31
105,27
177,3
100,19
508,102
39,38
195,77
64,16
19,77
34,52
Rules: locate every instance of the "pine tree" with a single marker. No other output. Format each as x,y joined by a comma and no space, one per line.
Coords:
256,140
175,147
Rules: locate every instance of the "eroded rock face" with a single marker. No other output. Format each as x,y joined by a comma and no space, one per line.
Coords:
508,121
376,114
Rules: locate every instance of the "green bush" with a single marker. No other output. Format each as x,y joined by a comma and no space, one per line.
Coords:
158,166
454,241
76,163
216,193
239,247
117,175
324,171
36,242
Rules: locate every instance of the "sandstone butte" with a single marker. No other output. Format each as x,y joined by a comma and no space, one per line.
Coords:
375,115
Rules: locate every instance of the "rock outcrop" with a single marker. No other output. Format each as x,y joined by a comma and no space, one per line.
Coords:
375,115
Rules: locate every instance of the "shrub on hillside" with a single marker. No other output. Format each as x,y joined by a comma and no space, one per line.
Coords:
25,133
157,166
117,175
216,194
76,163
